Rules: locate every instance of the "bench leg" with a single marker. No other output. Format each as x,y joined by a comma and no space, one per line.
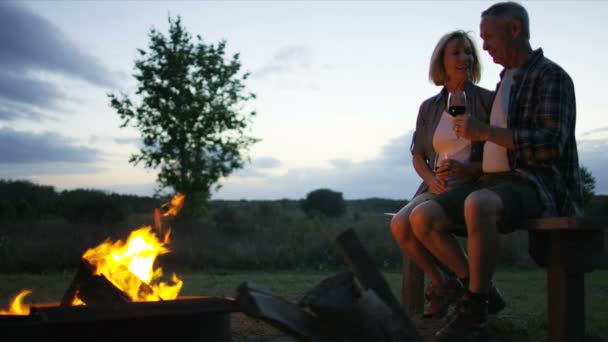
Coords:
565,303
412,287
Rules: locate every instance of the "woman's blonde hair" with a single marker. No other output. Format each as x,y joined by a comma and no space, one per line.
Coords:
437,72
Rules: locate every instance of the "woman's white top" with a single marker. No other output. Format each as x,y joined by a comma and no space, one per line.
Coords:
447,145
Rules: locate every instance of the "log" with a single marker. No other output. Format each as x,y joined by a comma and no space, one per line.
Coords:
362,266
359,316
91,288
289,317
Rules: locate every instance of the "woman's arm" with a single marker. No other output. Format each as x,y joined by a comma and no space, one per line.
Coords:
429,177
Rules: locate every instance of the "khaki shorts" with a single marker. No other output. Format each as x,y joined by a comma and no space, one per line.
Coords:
518,195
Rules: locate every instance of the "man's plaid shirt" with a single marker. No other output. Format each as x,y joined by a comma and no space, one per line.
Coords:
542,117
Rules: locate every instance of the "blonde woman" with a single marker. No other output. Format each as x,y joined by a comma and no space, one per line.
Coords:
440,158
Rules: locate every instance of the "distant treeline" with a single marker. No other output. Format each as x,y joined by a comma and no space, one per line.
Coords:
25,201
43,230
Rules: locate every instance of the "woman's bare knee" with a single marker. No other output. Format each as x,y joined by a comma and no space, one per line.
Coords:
427,217
400,226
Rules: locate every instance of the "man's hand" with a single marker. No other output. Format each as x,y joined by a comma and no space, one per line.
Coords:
470,128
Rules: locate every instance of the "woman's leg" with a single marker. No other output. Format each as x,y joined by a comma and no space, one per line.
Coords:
409,244
431,228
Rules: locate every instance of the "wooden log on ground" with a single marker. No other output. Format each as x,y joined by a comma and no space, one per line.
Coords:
360,316
361,264
260,303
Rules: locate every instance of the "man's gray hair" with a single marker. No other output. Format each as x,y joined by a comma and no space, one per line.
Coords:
511,10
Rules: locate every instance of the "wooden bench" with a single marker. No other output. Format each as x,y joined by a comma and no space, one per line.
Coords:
568,247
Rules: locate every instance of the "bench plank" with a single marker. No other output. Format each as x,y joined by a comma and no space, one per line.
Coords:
567,223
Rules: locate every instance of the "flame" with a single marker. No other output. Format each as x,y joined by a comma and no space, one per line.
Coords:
16,306
128,265
176,204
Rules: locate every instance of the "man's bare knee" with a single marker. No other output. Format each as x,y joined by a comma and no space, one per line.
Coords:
482,204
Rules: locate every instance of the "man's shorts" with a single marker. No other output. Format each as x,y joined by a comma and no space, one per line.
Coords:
519,197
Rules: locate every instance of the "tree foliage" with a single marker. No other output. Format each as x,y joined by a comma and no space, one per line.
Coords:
325,201
588,183
192,113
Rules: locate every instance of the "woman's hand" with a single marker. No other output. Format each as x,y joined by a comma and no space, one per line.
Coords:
450,168
437,185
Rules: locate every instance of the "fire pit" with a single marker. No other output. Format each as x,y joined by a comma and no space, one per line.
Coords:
118,293
183,319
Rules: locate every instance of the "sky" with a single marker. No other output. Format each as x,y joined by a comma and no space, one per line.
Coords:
338,87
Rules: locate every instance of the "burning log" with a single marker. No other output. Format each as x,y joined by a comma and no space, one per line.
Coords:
91,288
362,266
262,304
96,289
114,272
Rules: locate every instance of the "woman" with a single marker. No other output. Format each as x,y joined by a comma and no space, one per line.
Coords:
455,66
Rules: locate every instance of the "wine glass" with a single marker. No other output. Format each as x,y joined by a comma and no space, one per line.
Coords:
457,103
440,157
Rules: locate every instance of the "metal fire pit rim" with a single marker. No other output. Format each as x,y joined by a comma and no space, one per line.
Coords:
121,311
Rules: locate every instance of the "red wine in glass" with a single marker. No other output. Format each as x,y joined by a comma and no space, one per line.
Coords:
457,103
457,110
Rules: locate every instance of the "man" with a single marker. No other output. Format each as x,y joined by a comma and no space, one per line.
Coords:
530,165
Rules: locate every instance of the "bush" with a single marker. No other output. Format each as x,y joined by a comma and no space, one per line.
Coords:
324,201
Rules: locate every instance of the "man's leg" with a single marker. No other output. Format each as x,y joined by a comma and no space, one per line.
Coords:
482,211
431,227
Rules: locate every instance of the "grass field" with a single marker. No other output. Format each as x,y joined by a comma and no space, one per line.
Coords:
523,320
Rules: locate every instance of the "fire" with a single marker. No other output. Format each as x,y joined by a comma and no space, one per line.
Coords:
176,204
16,306
128,265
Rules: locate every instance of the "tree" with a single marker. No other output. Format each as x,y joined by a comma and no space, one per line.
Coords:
588,184
191,115
325,201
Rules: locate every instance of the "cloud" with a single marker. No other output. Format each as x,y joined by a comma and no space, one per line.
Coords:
258,168
286,60
30,47
12,111
18,88
18,147
596,130
592,154
341,163
128,141
266,163
29,170
390,175
30,42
